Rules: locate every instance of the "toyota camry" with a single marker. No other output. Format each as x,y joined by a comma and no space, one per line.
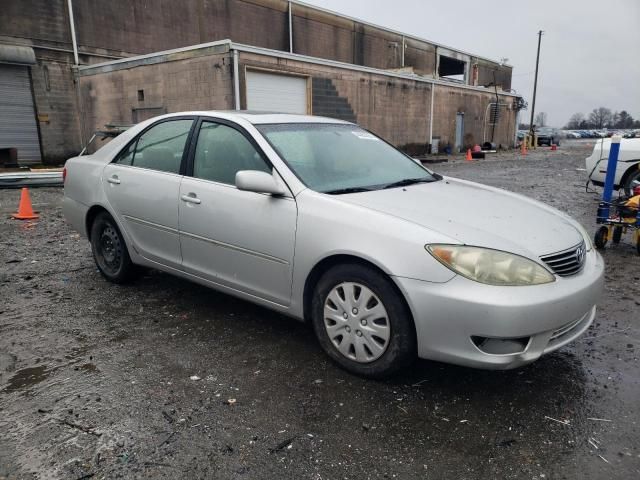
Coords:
324,221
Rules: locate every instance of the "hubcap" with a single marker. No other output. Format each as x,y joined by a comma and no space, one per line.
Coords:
356,322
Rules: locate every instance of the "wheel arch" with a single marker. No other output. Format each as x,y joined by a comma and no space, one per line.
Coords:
91,215
331,261
628,172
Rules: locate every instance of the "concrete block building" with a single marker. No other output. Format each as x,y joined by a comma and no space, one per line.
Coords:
68,67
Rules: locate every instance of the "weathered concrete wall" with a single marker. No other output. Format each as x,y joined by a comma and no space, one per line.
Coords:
394,108
397,109
126,27
44,20
120,28
490,73
448,101
200,83
55,95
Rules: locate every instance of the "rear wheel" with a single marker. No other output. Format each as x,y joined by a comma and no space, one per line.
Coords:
362,322
600,238
109,250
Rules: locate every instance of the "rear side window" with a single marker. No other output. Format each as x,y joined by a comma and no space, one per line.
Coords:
159,148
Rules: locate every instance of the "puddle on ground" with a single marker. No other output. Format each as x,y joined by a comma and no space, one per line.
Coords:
27,377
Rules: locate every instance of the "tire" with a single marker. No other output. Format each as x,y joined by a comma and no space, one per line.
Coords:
378,336
600,238
628,182
110,251
617,235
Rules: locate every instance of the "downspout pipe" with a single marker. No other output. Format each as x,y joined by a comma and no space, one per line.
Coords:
433,91
236,80
290,29
73,32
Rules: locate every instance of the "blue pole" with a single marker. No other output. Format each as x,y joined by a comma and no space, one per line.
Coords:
612,163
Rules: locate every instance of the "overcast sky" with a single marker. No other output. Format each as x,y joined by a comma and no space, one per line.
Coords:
590,54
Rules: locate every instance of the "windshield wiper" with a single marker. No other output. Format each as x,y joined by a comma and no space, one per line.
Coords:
340,191
408,181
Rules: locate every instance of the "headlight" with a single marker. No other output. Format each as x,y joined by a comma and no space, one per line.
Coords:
492,267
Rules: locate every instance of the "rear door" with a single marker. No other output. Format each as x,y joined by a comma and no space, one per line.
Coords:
142,186
238,239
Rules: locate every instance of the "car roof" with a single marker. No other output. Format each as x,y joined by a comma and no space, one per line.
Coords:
262,117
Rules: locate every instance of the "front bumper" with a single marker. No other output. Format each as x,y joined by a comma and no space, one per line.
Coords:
451,316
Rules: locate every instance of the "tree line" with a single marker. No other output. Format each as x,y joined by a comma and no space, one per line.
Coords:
600,118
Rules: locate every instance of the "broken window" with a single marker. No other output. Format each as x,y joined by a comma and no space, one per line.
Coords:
451,68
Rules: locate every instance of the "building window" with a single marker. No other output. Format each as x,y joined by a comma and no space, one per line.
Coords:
451,68
141,95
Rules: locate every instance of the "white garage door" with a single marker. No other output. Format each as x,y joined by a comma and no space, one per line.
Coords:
276,93
17,116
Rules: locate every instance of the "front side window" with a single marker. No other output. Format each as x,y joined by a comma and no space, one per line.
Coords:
159,148
338,158
222,151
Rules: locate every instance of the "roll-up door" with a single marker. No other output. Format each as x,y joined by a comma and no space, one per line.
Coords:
18,127
276,93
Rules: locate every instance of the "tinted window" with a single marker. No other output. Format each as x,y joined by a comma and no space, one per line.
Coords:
159,148
223,151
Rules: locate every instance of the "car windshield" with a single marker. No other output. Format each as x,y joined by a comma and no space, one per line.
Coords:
342,158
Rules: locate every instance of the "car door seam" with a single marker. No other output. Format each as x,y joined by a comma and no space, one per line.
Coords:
236,248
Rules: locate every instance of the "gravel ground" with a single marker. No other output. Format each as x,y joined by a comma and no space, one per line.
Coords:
166,379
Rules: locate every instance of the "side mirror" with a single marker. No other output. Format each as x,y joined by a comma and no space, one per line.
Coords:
259,182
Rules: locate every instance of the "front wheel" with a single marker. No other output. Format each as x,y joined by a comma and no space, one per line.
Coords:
362,322
109,250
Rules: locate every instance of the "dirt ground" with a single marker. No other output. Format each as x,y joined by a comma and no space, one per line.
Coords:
166,379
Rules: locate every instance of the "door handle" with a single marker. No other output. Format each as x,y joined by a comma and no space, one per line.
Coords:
191,198
114,180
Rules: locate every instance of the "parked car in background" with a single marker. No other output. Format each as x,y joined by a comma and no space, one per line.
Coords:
572,134
548,136
323,221
628,166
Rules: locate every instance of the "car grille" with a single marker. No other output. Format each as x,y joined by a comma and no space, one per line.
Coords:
568,262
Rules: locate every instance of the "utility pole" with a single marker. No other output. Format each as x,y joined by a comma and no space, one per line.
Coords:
535,87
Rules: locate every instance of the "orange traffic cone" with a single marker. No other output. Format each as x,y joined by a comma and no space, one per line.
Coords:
468,157
25,211
523,148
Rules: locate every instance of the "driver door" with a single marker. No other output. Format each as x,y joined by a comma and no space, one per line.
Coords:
238,239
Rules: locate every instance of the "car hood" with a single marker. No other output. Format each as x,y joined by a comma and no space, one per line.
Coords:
474,214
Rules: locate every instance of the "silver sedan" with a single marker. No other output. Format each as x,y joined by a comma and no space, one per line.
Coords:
322,220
